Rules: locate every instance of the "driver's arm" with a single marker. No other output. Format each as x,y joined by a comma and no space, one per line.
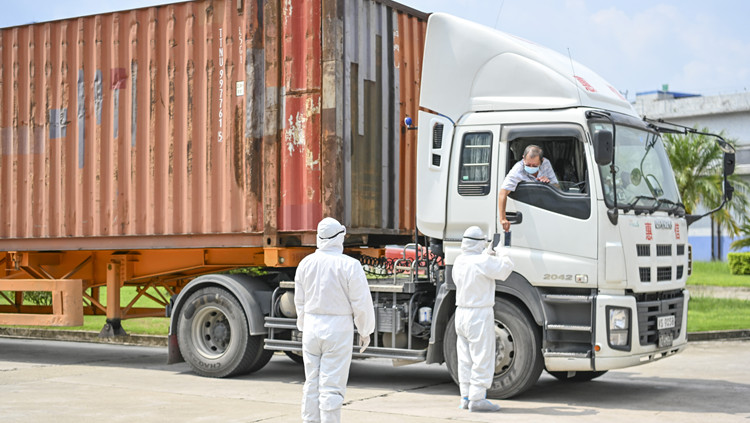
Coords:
502,201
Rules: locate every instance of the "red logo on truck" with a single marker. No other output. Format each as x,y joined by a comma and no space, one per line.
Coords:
617,93
649,235
677,231
585,84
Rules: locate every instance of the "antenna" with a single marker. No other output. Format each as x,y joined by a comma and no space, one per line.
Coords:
497,21
578,91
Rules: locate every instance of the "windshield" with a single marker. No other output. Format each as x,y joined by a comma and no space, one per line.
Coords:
643,175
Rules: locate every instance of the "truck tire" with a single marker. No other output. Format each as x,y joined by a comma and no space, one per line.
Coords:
214,337
576,376
518,357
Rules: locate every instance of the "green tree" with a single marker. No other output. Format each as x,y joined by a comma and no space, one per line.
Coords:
743,242
698,165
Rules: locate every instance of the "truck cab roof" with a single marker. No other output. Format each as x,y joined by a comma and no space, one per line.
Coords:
470,68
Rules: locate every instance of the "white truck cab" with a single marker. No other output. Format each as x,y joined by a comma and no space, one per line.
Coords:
600,260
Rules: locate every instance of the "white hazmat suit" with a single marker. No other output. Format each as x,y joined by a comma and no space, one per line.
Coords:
474,273
330,288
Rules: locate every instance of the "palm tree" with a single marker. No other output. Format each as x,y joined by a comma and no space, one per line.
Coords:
743,242
698,165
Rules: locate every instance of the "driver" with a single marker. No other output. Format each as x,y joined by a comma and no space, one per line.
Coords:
531,168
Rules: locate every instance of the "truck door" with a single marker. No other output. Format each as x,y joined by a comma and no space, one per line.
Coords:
472,185
556,244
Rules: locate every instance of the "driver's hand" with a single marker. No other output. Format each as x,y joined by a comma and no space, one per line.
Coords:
506,224
543,179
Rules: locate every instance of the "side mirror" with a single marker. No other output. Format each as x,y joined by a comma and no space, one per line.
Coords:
728,190
728,164
603,147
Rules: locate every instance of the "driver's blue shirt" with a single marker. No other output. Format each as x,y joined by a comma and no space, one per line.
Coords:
517,174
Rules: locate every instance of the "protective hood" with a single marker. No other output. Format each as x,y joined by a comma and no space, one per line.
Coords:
331,235
474,241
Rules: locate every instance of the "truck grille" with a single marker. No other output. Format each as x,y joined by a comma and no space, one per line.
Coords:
645,273
663,273
651,306
643,250
663,250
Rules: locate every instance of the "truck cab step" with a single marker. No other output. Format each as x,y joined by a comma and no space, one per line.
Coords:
575,328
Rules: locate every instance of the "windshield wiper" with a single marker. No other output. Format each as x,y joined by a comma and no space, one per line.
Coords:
636,200
675,207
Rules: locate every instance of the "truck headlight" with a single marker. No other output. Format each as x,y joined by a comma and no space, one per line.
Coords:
618,328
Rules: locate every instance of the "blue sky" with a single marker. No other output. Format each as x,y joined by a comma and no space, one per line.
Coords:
637,45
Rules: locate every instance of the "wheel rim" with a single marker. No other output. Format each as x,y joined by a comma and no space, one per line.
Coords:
504,348
211,332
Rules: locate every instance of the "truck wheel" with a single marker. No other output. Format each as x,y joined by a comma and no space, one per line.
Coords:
518,357
214,337
576,376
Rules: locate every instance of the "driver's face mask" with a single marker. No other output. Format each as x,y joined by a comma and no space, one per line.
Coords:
531,168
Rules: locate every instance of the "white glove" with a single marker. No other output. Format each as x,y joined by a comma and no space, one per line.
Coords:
489,250
364,342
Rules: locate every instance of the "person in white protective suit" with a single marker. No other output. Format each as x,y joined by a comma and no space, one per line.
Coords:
474,273
330,288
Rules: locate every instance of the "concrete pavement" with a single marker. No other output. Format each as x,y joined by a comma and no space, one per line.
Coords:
80,382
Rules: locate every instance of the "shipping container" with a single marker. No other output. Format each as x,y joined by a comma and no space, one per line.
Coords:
146,147
223,123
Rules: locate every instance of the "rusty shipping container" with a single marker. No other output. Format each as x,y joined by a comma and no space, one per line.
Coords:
209,124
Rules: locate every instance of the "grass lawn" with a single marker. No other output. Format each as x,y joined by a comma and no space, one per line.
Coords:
713,313
716,273
706,314
142,326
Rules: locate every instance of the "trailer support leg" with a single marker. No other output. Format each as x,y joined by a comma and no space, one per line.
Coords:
113,327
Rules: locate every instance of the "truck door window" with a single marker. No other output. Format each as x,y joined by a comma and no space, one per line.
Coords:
568,160
474,171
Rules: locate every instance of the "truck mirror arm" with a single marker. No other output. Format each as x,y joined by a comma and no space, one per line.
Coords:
692,218
727,167
658,125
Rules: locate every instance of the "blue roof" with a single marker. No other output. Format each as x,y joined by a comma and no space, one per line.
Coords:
672,93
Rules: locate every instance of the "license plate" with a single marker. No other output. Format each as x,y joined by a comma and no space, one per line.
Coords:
664,322
665,339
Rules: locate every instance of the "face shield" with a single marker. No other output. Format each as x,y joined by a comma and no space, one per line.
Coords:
330,234
474,240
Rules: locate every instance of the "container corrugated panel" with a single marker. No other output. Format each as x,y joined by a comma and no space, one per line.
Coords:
208,118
